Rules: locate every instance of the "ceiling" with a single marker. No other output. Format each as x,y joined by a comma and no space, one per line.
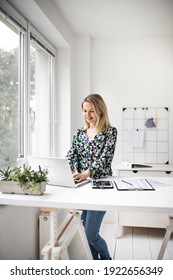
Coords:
110,18
101,18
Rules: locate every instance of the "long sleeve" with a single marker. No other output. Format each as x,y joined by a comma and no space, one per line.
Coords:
73,152
95,155
102,157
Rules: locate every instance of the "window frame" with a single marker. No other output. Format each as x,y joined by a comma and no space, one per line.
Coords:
44,44
26,30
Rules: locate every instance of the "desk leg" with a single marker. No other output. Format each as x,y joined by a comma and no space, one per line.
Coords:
71,224
169,230
46,252
53,227
60,253
57,247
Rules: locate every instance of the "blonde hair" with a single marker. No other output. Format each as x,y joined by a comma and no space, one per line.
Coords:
101,111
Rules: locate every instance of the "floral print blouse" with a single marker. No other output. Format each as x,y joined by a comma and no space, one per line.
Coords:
94,154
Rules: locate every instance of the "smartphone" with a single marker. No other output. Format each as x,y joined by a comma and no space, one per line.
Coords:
102,184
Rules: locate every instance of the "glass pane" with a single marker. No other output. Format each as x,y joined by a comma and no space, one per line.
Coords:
9,43
39,110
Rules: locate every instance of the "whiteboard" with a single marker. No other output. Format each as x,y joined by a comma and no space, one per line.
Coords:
145,135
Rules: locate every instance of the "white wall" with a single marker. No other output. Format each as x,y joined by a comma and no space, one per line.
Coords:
19,232
63,102
82,79
128,72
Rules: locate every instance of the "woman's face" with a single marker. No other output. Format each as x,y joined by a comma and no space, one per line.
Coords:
89,114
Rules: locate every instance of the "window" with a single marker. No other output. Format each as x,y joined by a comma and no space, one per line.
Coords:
41,95
26,89
9,100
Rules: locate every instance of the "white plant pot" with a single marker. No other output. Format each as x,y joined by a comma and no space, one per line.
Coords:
14,188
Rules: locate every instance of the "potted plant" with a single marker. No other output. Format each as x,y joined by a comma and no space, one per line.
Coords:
23,180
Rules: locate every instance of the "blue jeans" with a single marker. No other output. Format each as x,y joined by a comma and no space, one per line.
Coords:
92,221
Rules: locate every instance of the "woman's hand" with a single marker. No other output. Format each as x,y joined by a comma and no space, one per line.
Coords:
78,177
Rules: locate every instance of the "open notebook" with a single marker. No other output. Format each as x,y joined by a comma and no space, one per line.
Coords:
133,184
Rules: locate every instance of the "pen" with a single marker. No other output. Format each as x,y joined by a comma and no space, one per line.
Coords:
126,182
148,183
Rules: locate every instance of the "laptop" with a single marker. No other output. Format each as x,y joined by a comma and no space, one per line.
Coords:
59,172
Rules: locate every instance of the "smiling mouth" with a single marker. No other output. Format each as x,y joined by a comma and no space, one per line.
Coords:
90,119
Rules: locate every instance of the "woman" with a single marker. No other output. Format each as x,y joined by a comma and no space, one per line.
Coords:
91,155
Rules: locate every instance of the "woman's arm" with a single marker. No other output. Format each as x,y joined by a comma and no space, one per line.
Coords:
72,153
101,164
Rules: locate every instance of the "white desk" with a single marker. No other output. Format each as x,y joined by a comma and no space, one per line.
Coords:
141,218
159,201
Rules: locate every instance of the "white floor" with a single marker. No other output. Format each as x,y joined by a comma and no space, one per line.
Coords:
136,243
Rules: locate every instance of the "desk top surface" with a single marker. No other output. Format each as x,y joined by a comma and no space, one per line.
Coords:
160,200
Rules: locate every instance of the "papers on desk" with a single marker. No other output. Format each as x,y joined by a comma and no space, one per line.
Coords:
157,184
134,184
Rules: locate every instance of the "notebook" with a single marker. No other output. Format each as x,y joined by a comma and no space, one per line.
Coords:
133,184
59,172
